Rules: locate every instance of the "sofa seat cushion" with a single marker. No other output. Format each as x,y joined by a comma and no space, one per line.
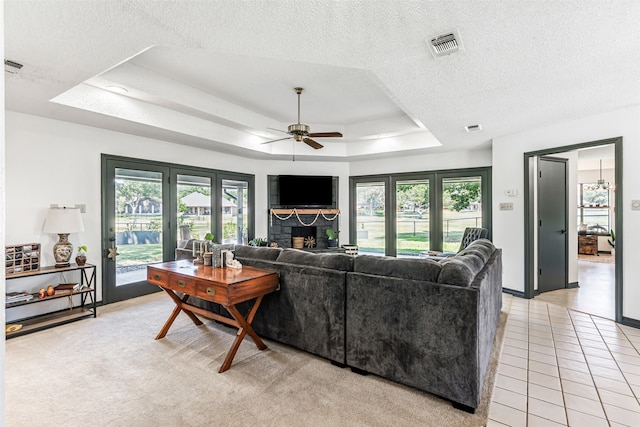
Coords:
403,268
340,262
257,252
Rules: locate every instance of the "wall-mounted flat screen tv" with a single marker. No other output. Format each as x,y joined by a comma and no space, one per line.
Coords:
305,191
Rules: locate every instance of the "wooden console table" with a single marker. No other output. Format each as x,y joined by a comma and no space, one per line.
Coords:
225,286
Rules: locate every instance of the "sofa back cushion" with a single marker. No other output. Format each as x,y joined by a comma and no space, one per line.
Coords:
462,269
403,268
481,247
340,262
257,252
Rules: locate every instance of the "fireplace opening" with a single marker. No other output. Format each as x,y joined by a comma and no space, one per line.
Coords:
304,237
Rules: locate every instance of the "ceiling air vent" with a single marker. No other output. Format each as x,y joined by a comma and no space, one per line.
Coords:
473,128
444,44
12,66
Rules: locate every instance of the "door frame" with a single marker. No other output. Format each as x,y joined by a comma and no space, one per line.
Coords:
529,241
566,217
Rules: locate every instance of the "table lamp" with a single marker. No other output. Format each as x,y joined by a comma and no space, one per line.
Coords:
63,221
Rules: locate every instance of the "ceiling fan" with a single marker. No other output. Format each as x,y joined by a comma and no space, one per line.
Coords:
300,131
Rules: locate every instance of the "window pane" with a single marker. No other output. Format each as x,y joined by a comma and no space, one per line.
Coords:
412,217
194,208
593,208
370,219
138,202
461,208
235,210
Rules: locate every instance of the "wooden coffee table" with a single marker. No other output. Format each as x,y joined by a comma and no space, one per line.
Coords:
225,286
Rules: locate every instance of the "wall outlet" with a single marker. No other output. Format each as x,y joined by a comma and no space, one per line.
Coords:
506,206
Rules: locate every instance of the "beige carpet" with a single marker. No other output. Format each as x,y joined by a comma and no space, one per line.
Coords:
110,371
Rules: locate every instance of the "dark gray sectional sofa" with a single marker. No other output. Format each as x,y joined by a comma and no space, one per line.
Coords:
424,323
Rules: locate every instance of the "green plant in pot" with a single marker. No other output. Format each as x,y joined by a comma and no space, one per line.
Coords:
612,241
258,241
81,257
332,238
209,238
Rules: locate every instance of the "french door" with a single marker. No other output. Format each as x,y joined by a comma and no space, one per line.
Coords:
151,208
135,226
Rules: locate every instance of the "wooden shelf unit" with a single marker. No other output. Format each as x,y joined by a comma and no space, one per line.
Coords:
86,308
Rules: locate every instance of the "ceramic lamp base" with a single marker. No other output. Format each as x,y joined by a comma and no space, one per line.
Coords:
62,251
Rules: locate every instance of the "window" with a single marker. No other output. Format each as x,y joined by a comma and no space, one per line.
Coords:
406,215
593,208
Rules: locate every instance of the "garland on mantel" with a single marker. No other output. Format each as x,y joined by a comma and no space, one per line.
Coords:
295,211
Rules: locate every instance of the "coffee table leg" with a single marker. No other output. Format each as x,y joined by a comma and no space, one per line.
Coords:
244,329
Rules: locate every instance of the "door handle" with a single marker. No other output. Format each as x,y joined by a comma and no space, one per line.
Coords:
563,231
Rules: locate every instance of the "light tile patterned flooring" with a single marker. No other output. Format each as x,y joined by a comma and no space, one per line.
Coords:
560,367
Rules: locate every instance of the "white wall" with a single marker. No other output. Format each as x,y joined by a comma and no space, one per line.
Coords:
50,161
508,172
424,162
2,227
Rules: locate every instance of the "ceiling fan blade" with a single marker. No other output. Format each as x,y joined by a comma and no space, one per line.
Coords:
275,140
326,135
278,130
311,143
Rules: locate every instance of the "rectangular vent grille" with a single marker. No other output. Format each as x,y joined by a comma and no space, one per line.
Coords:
12,64
444,44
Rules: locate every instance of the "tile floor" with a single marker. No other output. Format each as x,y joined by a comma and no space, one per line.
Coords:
561,367
596,294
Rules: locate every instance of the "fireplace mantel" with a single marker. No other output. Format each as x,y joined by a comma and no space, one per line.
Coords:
304,211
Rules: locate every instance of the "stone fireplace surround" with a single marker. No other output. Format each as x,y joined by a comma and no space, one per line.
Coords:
281,231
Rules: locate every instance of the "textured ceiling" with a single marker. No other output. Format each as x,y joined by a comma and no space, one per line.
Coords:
220,74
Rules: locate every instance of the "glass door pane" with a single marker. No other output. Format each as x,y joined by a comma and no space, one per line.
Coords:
461,208
412,217
235,211
370,218
139,218
194,208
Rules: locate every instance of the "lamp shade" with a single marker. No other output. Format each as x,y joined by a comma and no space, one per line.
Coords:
63,220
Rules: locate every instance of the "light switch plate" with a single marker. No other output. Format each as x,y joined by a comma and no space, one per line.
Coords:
511,192
506,206
635,205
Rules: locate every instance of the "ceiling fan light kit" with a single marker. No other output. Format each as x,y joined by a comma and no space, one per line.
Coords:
302,133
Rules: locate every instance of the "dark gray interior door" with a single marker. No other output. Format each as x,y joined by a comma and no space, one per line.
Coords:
552,224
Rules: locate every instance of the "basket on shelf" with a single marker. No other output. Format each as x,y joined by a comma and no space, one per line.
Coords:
298,242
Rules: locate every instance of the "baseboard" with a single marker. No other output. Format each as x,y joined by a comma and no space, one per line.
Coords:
518,294
630,322
573,285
